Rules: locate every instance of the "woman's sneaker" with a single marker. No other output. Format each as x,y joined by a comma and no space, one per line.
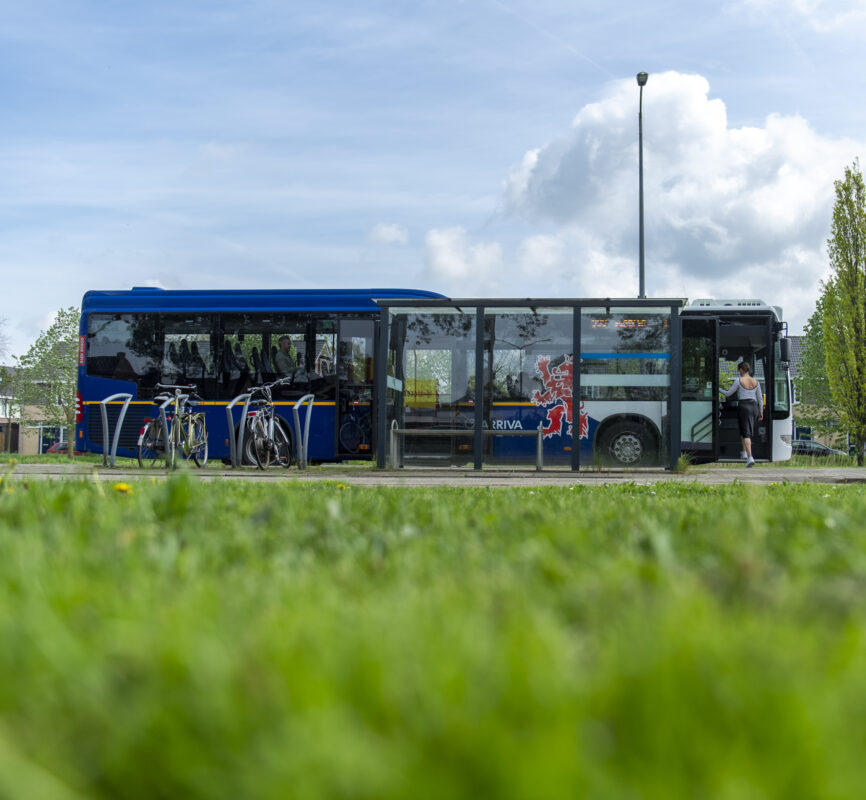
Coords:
743,455
750,462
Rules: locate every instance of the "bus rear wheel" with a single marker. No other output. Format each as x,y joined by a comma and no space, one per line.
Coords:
628,444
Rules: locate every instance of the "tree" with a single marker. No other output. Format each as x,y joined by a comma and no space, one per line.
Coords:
45,381
816,407
844,318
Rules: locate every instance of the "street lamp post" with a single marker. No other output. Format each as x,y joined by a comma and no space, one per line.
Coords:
641,81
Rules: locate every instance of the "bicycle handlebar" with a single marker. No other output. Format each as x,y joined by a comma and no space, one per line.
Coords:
192,398
265,388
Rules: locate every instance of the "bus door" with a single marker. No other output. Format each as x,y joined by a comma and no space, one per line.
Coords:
355,395
743,337
700,388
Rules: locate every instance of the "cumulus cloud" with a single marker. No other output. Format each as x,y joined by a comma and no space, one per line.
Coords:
388,233
737,211
459,266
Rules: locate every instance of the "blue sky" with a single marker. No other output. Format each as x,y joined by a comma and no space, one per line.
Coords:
473,147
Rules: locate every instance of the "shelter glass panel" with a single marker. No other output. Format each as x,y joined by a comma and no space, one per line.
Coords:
431,380
625,371
528,369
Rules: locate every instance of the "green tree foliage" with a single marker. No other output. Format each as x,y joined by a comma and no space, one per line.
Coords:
45,381
816,408
844,318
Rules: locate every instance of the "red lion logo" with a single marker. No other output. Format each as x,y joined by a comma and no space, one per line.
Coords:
556,398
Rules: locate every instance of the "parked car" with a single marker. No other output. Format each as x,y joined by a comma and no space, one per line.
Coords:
63,447
806,447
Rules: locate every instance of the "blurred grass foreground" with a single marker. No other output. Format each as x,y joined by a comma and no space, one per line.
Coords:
188,640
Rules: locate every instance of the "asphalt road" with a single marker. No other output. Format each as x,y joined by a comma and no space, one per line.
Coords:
489,477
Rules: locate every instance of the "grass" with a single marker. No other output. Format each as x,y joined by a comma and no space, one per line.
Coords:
180,639
53,458
684,464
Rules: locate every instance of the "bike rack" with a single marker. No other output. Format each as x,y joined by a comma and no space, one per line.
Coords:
236,448
103,408
396,456
301,449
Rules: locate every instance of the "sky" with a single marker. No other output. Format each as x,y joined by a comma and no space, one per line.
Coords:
471,147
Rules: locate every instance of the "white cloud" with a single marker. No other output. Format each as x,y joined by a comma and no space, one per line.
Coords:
824,16
734,211
458,265
388,233
540,254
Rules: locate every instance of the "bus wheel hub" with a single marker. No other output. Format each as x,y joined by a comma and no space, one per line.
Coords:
627,448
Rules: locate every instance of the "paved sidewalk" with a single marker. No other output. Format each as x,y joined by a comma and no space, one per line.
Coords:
489,477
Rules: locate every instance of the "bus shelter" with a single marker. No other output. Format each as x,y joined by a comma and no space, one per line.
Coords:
462,378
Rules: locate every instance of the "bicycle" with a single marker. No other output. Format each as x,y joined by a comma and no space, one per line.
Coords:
186,433
356,432
268,440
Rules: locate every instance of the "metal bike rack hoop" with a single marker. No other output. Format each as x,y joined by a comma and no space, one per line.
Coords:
166,440
103,408
301,449
236,449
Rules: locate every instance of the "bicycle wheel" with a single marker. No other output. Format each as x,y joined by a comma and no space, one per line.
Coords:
282,447
350,435
198,445
261,442
151,446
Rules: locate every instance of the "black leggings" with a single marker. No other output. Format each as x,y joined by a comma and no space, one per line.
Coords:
748,412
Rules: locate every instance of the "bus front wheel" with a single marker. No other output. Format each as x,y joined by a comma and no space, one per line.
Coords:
628,444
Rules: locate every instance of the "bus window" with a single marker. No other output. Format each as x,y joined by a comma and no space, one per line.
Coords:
781,401
625,355
239,356
355,363
325,361
284,353
187,355
123,347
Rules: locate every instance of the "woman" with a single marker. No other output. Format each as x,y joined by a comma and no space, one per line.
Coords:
750,406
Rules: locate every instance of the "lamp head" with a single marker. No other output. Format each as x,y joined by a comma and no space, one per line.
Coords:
642,78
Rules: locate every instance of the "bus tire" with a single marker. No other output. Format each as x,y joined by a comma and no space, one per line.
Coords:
628,444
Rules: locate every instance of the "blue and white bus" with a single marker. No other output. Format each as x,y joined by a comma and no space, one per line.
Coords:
648,377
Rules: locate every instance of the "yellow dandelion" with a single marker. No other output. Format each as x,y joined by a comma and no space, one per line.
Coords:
122,488
343,486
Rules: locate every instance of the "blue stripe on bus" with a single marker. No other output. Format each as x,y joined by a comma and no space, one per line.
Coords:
626,355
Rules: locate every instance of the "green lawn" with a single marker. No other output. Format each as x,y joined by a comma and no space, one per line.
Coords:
183,640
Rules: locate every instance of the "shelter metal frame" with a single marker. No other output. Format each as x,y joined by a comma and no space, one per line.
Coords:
478,305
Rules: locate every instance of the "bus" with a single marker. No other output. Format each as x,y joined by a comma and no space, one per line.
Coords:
477,373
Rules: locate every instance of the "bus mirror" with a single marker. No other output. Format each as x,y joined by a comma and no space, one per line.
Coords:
785,350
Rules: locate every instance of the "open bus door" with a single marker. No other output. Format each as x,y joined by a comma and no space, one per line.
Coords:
745,337
699,431
355,421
